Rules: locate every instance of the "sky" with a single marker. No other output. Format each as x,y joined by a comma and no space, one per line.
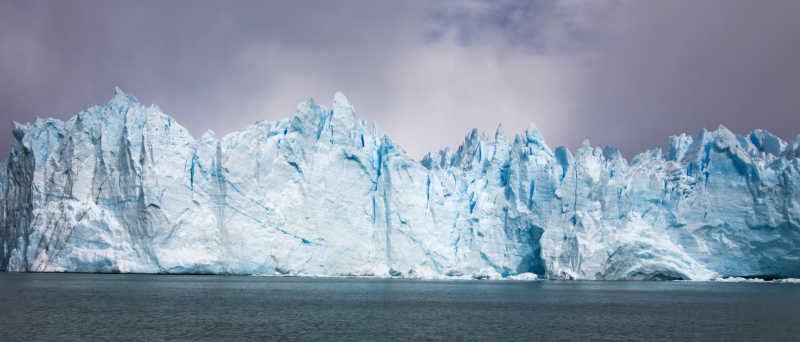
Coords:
622,73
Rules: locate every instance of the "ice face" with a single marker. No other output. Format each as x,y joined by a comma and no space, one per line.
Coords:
125,188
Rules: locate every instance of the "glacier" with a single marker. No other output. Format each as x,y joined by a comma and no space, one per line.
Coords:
124,188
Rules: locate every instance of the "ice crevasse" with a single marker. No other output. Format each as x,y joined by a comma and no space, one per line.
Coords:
125,188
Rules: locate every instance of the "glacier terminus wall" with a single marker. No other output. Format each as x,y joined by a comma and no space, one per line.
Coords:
125,188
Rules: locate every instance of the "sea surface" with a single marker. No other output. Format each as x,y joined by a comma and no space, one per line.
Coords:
79,307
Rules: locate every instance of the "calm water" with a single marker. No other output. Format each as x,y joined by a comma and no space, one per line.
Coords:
52,307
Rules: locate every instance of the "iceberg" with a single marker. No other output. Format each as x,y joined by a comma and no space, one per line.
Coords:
124,188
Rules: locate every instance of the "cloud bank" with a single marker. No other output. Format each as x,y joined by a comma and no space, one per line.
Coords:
621,73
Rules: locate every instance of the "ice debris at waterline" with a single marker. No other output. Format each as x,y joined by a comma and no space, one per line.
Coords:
125,188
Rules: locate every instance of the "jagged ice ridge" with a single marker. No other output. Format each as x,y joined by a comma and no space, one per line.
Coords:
124,188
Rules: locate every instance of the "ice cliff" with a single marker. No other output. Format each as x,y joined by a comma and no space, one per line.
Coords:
125,188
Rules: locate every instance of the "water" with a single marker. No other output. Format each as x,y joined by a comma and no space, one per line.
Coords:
50,307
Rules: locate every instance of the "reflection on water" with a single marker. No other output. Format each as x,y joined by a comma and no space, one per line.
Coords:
156,307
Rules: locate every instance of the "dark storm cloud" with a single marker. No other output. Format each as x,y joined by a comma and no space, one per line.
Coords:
625,73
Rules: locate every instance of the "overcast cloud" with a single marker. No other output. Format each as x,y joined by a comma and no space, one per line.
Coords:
622,73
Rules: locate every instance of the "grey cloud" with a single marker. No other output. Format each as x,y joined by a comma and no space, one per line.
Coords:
624,73
684,65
